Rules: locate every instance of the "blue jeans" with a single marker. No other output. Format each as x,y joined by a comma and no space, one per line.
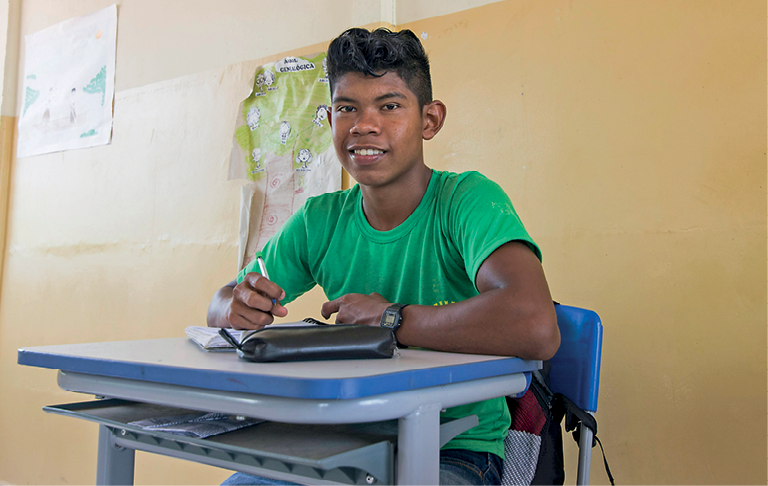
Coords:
457,466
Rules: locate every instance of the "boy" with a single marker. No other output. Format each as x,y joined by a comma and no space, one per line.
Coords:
444,252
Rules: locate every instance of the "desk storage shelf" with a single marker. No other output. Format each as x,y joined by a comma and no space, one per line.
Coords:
320,454
161,377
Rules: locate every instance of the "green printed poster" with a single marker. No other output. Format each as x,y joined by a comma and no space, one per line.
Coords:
283,144
285,115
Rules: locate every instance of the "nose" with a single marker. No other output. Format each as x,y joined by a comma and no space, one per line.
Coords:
367,123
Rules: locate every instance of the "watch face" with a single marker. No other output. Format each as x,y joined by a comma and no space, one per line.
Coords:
389,319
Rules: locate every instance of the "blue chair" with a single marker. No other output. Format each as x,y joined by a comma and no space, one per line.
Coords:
575,371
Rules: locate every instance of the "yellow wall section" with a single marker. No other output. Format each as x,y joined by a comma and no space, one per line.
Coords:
7,129
629,135
631,138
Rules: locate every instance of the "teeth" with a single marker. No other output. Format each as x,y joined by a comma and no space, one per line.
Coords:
368,152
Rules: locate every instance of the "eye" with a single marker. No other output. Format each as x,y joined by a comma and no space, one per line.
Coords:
345,109
390,106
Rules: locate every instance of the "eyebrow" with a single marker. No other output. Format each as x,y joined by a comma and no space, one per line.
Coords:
391,94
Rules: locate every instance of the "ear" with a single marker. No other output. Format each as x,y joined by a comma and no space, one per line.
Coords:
329,117
433,115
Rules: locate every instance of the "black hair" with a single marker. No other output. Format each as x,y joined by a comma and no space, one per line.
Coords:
378,52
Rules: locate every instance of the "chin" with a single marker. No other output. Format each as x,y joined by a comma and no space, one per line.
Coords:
366,177
369,181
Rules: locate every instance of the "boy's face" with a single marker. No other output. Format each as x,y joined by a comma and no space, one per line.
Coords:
378,128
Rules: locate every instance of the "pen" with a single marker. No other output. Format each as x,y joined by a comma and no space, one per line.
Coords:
263,270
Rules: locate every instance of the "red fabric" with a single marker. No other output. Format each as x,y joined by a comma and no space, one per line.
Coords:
528,416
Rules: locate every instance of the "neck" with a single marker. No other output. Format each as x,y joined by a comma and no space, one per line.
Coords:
387,207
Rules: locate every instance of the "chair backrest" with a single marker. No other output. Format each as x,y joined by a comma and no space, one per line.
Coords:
576,366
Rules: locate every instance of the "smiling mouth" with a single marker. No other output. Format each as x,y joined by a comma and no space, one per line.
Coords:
367,152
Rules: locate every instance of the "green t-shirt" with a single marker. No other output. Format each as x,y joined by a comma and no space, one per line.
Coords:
432,258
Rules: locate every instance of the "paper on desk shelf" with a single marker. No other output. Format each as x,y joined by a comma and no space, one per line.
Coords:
196,425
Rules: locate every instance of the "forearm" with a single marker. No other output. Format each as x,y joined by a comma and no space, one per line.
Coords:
493,322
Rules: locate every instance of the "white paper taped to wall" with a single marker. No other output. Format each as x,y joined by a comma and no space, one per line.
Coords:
69,83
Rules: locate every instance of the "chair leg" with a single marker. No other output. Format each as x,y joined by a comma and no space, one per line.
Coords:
585,455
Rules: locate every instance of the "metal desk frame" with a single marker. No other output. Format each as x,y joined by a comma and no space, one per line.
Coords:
418,393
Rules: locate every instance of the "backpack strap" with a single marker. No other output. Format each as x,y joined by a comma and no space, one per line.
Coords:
534,444
564,407
605,461
574,416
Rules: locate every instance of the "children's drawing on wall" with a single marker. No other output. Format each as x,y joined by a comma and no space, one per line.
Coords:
324,79
304,157
73,64
269,79
252,119
283,146
259,83
320,115
72,110
256,157
285,131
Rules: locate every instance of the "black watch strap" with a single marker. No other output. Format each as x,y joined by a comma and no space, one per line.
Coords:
392,318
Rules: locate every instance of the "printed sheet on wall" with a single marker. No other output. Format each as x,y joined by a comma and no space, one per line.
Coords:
283,146
69,82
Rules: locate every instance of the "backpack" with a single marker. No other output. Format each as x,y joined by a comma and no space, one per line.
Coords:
533,448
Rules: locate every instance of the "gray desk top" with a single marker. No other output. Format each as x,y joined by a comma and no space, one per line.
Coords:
181,362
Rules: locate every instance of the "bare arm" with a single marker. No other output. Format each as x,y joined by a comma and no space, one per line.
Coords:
512,316
246,305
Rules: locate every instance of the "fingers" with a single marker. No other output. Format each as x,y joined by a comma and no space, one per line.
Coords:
255,303
356,309
240,316
330,308
255,322
256,283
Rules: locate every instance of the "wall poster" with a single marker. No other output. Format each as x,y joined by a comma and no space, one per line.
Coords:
283,145
69,82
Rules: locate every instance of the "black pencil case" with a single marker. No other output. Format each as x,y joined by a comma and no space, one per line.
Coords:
310,343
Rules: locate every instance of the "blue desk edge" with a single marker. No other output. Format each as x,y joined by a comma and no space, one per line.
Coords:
307,388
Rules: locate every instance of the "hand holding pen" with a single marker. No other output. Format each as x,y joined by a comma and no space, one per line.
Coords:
263,270
256,300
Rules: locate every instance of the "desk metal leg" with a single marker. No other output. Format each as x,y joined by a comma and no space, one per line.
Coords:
418,446
115,463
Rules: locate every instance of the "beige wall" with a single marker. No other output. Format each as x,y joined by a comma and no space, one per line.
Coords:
630,136
8,48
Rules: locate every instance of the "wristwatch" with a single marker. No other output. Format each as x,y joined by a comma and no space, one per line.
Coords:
392,318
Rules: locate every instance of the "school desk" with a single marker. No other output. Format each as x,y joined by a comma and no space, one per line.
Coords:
328,421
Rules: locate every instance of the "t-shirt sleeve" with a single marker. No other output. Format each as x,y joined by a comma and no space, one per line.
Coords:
481,219
285,256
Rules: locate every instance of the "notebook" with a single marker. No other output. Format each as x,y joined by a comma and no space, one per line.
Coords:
209,339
